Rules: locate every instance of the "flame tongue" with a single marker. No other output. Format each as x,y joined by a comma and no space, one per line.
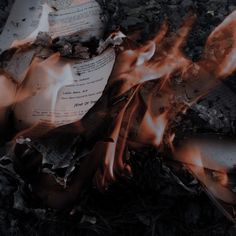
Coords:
159,61
221,47
157,97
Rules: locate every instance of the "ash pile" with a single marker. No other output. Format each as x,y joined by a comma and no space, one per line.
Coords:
46,69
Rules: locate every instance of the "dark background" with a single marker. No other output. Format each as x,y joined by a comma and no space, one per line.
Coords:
152,202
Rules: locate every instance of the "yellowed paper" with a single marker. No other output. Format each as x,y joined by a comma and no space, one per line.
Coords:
62,91
58,18
84,19
27,18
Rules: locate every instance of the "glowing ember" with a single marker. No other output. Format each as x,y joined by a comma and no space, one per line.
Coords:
166,98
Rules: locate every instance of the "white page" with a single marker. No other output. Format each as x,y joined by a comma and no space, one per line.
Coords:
62,92
29,17
25,21
82,18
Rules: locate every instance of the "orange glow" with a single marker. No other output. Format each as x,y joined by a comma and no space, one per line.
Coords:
157,97
46,78
221,47
157,62
154,128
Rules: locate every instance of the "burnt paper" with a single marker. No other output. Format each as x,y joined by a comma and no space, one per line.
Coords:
162,119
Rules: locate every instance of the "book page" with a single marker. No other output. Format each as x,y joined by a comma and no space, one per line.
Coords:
62,91
58,18
84,19
27,18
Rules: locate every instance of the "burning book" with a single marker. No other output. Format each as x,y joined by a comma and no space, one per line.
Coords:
86,116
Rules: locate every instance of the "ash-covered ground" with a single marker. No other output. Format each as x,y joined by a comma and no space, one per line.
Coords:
153,202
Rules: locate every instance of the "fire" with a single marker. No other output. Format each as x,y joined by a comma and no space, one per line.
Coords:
46,78
7,95
158,61
154,128
148,74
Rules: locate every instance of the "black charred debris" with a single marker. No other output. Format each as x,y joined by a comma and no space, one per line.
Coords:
157,200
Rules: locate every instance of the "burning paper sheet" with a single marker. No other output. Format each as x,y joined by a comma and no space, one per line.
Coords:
81,18
29,17
62,91
154,105
150,113
55,90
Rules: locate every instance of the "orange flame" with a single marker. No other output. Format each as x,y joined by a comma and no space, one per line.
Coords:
148,72
158,60
46,78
